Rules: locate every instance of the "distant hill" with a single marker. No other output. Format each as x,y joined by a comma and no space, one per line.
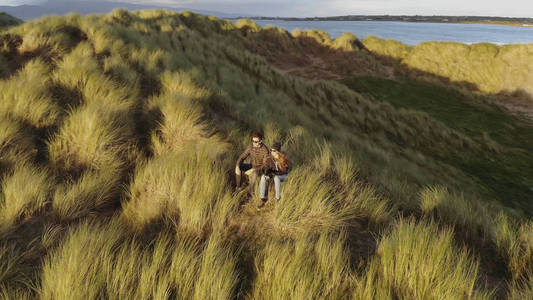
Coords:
409,18
27,12
7,20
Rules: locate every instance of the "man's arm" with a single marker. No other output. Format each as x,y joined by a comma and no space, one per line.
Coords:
267,162
243,156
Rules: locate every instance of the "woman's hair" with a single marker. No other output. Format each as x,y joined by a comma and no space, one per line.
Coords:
284,163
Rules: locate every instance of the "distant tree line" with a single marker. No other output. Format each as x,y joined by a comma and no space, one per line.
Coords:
416,18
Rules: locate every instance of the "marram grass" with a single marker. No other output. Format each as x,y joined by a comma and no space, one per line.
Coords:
24,193
98,260
26,96
420,261
491,68
308,268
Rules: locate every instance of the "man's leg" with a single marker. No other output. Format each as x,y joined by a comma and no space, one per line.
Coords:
263,192
238,173
238,176
252,176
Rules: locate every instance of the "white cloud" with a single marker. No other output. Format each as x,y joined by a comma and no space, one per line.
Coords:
516,8
20,2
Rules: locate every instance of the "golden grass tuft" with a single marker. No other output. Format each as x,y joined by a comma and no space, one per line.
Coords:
326,195
94,190
189,187
320,36
420,261
514,241
86,252
248,24
311,267
455,209
24,193
51,35
389,48
93,137
17,144
346,42
75,68
15,282
491,68
97,260
26,96
522,289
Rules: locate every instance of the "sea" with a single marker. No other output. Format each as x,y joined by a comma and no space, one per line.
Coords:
411,33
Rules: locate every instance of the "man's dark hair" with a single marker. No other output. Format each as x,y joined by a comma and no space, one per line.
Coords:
276,146
256,134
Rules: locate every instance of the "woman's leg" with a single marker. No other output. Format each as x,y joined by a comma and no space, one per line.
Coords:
277,184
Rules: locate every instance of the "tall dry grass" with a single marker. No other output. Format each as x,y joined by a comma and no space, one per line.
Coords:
93,191
326,195
93,137
420,261
491,68
17,143
26,96
80,260
98,260
307,268
189,187
24,193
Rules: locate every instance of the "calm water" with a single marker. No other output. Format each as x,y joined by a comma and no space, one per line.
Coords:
414,33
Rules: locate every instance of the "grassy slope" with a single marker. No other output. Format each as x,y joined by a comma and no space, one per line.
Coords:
504,167
506,171
136,121
485,66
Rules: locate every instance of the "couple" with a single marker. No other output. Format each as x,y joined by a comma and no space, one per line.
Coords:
270,164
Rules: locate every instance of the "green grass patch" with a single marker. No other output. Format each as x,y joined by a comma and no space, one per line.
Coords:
7,20
506,165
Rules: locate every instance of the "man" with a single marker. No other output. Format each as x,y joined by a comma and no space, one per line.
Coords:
259,156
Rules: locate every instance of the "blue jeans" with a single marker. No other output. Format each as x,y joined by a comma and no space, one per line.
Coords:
278,179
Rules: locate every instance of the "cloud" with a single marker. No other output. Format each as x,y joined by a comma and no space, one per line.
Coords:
20,2
517,8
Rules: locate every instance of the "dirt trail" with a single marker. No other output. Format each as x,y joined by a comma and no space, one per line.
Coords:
316,69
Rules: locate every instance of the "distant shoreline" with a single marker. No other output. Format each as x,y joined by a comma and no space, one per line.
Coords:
517,22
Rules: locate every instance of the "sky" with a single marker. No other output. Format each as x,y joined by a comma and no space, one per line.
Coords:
311,8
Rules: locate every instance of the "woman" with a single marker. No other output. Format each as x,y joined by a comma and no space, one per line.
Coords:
279,169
